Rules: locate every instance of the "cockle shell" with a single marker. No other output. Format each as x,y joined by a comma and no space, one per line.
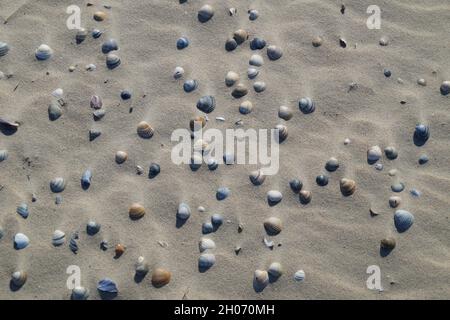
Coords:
182,43
43,52
257,177
317,41
257,44
285,113
274,52
373,154
8,124
256,60
240,91
273,226
299,275
207,104
230,44
305,196
3,155
96,102
99,16
403,220
57,185
213,164
190,85
141,267
274,197
112,61
4,48
144,130
252,73
178,72
86,179
282,132
394,201
58,238
73,245
207,227
22,210
99,114
422,159
18,278
21,241
231,78
246,107
445,88
136,211
332,165
107,285
217,219
347,186
259,86
79,293
421,134
391,153
160,277
322,180
205,13
261,278
229,158
388,243
206,261
96,33
121,157
93,227
231,11
183,212
240,36
206,244
109,45
222,193
296,185
253,14
275,269
197,123
306,105
81,35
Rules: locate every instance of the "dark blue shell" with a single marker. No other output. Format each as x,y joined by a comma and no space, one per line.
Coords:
207,104
182,43
86,179
22,209
190,85
403,220
107,285
109,45
296,185
125,95
257,44
421,134
322,180
306,105
222,193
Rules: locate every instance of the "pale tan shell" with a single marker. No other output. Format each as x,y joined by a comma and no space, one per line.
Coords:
121,157
239,91
196,122
273,225
348,186
305,196
261,277
160,277
144,130
394,201
99,16
388,243
285,113
136,211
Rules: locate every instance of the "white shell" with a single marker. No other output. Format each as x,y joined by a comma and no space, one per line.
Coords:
259,86
58,238
44,52
231,78
178,72
299,275
274,196
121,157
246,107
19,278
275,269
261,277
58,93
206,244
184,212
374,154
256,60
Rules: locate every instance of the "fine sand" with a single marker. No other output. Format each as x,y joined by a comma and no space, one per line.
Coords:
333,239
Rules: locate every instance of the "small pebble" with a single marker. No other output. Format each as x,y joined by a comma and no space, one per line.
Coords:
387,73
422,82
379,166
384,41
415,193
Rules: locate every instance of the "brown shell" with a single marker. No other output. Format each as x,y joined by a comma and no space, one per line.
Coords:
119,250
394,201
160,277
388,243
240,36
196,121
136,211
144,130
273,225
239,91
99,16
305,196
121,157
348,187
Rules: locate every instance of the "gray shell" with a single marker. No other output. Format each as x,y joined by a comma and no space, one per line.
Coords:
306,105
252,73
256,60
217,219
207,227
184,212
79,293
58,238
206,260
86,179
257,44
282,132
205,13
391,153
57,185
22,210
54,111
73,245
206,244
96,33
274,52
98,114
81,35
21,241
3,155
403,220
190,85
92,227
332,165
246,107
207,104
4,48
259,86
18,278
257,177
285,113
274,197
231,44
112,61
222,193
44,52
109,45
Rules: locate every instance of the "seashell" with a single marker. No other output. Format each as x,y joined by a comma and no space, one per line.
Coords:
252,73
299,275
182,43
347,186
144,130
73,245
394,201
240,36
343,43
207,104
306,105
21,241
239,91
190,85
398,187
422,159
230,44
275,269
141,267
421,134
2,232
112,61
282,132
259,86
96,33
257,177
217,219
391,153
58,93
93,134
403,220
109,45
269,244
58,238
125,95
18,278
257,44
274,197
388,243
296,185
205,13
332,165
317,41
206,244
183,212
178,72
232,11
86,179
253,14
197,123
415,193
22,209
57,185
93,227
154,170
256,60
231,78
206,261
58,199
222,193
121,157
79,293
445,88
4,48
96,102
379,166
387,73
274,52
196,161
422,82
207,227
81,35
136,211
99,114
245,107
104,245
160,277
43,52
285,113
3,155
106,285
273,226
89,67
119,250
384,41
305,196
373,154
261,278
8,124
99,16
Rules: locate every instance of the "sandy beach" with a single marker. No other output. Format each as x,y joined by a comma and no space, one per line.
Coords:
333,239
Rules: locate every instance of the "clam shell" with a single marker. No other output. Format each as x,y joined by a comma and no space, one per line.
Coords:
246,107
4,48
96,33
121,157
21,241
391,153
445,88
119,250
299,275
178,72
240,91
332,165
81,35
190,85
257,177
144,130
154,170
274,52
403,220
160,277
253,14
322,180
197,123
230,44
273,226
373,154
421,134
256,60
422,159
285,113
317,41
259,86
231,11
93,134
212,164
261,278
231,78
205,13
305,196
22,209
58,238
141,267
99,16
18,278
222,193
207,227
73,245
182,43
394,201
240,36
306,105
217,219
388,243
252,73
398,187
206,244
136,211
86,179
58,93
2,232
79,293
196,161
384,41
229,158
347,186
206,261
107,285
8,124
275,269
274,197
343,43
93,227
257,44
296,185
207,104
281,132
43,52
99,114
112,61
57,185
183,212
3,155
109,45
96,102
